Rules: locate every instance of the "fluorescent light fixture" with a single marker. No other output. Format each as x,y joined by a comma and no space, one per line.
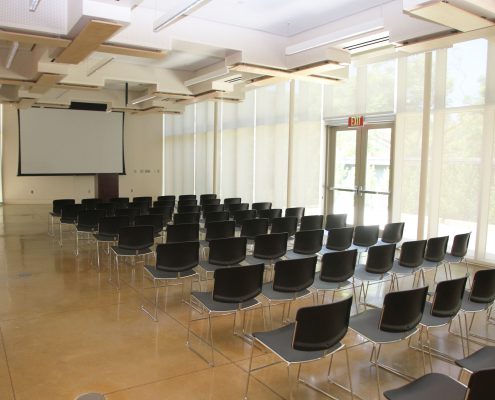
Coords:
33,5
176,15
208,76
12,53
143,98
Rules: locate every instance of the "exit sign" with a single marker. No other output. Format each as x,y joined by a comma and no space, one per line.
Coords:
355,120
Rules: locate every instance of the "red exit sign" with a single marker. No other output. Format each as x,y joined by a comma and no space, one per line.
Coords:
355,120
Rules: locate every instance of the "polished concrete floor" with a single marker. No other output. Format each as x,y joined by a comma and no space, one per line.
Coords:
65,331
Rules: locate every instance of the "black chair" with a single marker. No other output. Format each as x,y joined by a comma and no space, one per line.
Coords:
143,199
187,202
336,274
207,197
334,221
90,204
56,210
458,251
397,320
219,230
316,334
210,208
164,203
261,206
216,216
181,209
128,212
291,281
108,232
436,249
87,224
270,214
436,386
410,260
365,236
338,239
142,206
311,222
209,202
155,220
120,202
109,208
284,224
242,215
297,212
186,218
268,248
392,233
225,252
185,197
379,262
167,198
234,207
481,359
253,227
165,211
182,233
133,241
231,200
174,263
306,243
68,216
234,291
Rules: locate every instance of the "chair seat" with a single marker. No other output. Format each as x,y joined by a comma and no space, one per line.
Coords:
324,250
363,275
429,387
273,295
484,358
85,229
453,259
367,324
360,249
252,260
398,269
68,220
471,306
431,320
381,243
318,284
129,252
213,267
54,214
280,342
430,264
102,237
206,298
160,274
291,255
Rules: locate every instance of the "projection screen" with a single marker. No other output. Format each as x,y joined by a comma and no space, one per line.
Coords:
70,142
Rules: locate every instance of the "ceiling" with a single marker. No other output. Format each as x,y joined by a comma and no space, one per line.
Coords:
87,49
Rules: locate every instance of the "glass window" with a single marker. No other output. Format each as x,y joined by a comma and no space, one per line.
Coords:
380,86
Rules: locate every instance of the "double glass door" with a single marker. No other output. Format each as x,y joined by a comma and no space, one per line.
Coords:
359,173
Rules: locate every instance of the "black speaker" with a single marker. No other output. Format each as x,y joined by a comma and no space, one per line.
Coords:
77,105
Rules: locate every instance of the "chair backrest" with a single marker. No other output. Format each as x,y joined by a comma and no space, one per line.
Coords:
186,218
436,248
270,246
236,207
111,225
254,227
120,202
209,208
164,203
182,233
219,229
270,214
481,385
483,288
142,206
284,224
335,221
292,276
207,196
89,218
338,266
69,212
308,242
340,238
109,208
187,202
129,212
59,203
213,216
155,220
228,251
447,299
177,257
380,258
242,215
321,327
90,204
402,311
460,244
412,253
209,202
165,211
310,222
136,237
366,235
266,205
183,197
188,209
143,199
239,284
295,212
232,200
392,232
168,198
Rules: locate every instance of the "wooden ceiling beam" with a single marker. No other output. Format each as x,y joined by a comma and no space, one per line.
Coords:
34,39
45,82
132,52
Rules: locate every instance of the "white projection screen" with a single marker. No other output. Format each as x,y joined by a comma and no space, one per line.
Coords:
70,142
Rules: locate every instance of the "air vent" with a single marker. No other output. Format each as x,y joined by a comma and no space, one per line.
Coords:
372,43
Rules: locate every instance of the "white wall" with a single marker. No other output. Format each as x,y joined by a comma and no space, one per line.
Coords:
143,152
